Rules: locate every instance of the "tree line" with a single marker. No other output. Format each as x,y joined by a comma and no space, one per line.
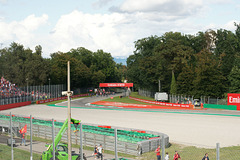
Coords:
207,63
21,65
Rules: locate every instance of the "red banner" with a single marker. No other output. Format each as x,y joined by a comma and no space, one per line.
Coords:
161,103
234,99
116,85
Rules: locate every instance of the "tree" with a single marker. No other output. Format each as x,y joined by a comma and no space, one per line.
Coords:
226,48
173,89
209,80
185,80
234,79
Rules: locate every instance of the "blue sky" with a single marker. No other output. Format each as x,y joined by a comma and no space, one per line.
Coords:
111,25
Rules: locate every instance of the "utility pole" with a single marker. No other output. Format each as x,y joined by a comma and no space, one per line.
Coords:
69,116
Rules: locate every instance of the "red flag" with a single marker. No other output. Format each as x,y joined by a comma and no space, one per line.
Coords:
23,130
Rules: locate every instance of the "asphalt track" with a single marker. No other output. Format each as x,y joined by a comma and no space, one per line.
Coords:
202,128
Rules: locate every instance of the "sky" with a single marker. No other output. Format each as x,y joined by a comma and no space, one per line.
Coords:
110,25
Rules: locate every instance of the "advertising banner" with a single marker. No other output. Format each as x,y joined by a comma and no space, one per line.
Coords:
234,99
116,85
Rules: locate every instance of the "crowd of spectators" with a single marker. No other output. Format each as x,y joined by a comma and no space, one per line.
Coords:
8,89
103,92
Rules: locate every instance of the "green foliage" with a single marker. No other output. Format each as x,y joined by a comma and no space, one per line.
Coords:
19,64
201,62
234,79
173,89
208,80
87,68
18,154
185,80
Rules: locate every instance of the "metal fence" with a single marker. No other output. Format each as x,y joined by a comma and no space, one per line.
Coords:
91,139
146,93
113,144
31,93
185,99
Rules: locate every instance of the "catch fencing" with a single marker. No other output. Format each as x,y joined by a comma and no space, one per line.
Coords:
185,99
32,93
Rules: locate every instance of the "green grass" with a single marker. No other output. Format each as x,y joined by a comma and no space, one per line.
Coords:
136,95
194,153
5,153
128,100
78,146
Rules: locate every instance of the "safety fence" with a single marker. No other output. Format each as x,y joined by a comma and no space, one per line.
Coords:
32,93
129,141
185,99
106,135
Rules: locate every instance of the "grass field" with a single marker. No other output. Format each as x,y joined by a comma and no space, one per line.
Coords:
5,154
127,100
194,153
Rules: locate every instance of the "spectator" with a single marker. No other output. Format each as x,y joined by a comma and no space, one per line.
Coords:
23,139
95,152
167,156
176,156
206,157
100,152
157,151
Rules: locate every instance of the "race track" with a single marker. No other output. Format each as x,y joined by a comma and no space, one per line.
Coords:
198,128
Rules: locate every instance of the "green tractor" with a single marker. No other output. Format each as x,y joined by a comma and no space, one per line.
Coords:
61,149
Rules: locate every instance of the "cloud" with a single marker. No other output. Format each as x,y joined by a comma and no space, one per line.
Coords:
21,31
100,3
165,7
93,31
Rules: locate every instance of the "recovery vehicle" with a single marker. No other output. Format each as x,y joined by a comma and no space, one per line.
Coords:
61,149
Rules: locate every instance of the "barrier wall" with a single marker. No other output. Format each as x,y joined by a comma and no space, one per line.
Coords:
60,98
161,103
215,106
130,141
14,105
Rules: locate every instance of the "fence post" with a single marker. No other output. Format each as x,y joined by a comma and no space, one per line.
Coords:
163,147
53,140
218,151
115,136
81,141
31,155
12,156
